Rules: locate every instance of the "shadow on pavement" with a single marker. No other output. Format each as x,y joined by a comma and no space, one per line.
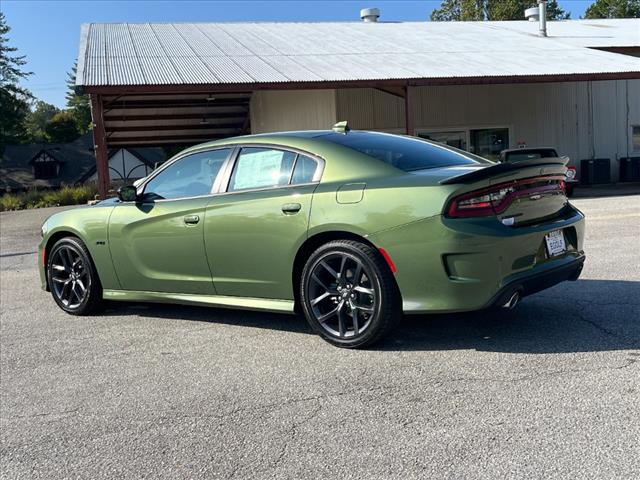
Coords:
242,318
581,316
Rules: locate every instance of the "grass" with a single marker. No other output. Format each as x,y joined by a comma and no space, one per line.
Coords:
47,198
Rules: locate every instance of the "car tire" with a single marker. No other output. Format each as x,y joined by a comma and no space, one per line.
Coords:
72,277
348,294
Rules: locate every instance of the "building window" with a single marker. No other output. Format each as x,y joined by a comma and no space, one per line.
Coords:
457,139
485,142
489,142
45,170
635,138
44,166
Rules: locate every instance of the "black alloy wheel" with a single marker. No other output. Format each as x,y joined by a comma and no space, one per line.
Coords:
72,278
349,295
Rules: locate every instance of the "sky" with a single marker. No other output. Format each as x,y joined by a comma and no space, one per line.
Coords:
47,32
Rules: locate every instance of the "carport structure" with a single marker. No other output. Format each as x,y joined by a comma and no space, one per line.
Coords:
182,84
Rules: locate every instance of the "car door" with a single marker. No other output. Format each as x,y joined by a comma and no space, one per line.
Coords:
157,242
254,227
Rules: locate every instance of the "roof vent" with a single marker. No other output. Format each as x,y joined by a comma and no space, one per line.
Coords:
370,14
542,6
538,14
532,14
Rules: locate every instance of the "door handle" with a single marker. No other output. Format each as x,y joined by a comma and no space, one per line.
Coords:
191,219
291,208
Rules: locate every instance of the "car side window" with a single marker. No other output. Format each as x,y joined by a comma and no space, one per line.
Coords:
190,176
258,167
304,171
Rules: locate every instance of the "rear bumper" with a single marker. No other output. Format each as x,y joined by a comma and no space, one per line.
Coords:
446,265
537,282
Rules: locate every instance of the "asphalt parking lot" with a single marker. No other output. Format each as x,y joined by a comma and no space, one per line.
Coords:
550,390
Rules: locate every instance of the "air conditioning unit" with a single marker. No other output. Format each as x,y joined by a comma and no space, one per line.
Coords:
630,169
595,171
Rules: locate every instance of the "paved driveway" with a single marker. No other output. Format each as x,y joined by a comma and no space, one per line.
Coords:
551,390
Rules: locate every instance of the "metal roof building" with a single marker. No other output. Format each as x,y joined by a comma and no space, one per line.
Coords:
255,53
155,84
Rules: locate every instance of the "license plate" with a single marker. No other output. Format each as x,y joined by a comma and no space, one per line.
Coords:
555,243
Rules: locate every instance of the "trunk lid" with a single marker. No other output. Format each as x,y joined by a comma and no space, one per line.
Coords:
517,193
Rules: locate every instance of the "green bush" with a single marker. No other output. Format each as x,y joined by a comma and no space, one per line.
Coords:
32,198
47,198
10,202
84,194
65,196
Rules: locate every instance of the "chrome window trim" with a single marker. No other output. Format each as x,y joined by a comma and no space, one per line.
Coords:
293,169
221,194
265,189
221,183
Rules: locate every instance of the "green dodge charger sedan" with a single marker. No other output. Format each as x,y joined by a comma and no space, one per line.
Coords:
352,228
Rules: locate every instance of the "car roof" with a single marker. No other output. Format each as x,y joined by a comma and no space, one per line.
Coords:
351,164
314,141
293,139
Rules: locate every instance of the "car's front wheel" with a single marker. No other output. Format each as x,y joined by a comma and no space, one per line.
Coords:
349,295
72,277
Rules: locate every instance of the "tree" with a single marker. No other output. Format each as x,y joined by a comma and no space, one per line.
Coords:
37,119
62,128
14,100
613,9
555,12
459,10
466,10
78,105
514,9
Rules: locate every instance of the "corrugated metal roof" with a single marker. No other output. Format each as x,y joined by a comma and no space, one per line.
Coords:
616,32
230,53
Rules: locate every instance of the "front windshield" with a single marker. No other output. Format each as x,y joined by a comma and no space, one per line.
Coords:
406,153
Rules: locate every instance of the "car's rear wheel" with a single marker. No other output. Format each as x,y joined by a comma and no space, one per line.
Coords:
349,295
72,277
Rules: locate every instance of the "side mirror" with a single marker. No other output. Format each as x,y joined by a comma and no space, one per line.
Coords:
128,193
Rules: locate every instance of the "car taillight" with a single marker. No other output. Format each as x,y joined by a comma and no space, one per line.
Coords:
479,203
496,199
571,172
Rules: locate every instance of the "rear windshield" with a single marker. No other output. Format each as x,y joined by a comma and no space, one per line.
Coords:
405,153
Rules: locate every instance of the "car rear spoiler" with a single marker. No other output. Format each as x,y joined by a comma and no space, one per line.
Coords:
499,168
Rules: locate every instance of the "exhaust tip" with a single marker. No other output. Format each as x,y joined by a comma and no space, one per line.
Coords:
513,300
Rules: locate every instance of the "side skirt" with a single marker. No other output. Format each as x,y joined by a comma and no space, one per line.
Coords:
248,303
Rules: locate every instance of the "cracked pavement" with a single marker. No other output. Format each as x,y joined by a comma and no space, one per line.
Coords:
550,390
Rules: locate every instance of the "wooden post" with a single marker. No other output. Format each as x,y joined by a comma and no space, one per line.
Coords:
409,120
100,144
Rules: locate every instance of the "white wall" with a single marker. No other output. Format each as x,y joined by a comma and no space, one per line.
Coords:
581,119
124,165
282,110
370,109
